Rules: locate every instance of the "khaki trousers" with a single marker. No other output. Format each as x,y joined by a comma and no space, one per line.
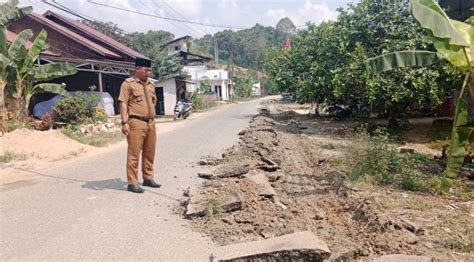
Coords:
142,138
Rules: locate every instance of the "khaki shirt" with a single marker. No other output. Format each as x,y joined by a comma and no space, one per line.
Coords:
140,97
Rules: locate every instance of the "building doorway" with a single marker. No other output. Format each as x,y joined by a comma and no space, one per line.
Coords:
160,101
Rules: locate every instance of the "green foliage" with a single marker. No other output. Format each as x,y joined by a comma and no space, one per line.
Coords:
166,65
108,28
454,41
374,159
72,110
390,61
326,62
10,12
149,43
243,84
245,47
205,86
18,67
98,140
199,104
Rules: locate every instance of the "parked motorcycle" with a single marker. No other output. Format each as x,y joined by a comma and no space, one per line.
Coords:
182,109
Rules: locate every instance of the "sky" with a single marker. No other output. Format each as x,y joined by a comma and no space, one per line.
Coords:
236,14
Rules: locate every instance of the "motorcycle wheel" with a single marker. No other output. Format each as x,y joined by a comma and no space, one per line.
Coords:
185,115
175,116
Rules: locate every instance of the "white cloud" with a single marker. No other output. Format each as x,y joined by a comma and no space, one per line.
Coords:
277,12
316,13
228,4
225,12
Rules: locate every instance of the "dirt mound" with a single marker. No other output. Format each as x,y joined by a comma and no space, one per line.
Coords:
292,186
44,145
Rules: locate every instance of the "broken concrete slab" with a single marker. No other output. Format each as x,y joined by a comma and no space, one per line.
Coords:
412,227
234,171
274,177
269,168
299,246
207,176
402,258
198,205
261,180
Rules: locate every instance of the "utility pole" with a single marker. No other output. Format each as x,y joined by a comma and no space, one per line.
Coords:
232,70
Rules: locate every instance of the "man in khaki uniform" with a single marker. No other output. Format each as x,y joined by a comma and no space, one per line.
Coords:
137,109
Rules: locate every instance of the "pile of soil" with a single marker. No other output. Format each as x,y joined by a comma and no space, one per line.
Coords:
301,191
49,145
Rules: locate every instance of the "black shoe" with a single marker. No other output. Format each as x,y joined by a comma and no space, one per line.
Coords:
135,189
151,183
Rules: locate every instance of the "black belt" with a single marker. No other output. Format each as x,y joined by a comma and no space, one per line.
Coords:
144,119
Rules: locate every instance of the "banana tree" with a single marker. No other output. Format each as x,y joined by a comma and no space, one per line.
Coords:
30,77
454,42
8,12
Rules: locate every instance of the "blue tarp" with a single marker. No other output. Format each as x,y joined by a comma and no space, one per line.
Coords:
46,107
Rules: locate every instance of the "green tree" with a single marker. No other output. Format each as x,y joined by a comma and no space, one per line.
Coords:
108,28
8,12
29,77
243,84
149,43
166,65
205,85
454,42
326,62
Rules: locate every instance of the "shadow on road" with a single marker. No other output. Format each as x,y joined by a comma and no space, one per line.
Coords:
118,184
114,184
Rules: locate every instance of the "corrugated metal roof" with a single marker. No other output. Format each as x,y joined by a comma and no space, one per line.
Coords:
12,36
105,39
76,37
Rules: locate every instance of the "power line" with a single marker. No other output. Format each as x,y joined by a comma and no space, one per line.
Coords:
166,18
79,14
182,27
199,30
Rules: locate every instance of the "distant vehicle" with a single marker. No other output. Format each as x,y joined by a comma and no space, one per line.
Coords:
182,109
46,107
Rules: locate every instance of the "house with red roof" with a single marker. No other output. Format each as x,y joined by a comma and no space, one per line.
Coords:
101,60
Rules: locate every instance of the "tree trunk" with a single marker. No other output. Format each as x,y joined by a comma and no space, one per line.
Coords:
471,91
3,111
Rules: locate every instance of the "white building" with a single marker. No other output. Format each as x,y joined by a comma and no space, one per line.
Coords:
168,91
219,79
256,89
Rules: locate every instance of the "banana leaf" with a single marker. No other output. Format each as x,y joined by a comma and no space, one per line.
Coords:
457,151
4,63
3,40
460,138
51,88
448,36
52,71
398,59
20,41
10,12
34,52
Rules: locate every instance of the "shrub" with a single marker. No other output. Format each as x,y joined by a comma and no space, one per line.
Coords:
72,110
200,103
373,159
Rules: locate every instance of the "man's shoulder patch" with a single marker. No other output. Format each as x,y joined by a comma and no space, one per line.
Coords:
129,80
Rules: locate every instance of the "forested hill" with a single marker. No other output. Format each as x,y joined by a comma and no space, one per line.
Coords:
246,47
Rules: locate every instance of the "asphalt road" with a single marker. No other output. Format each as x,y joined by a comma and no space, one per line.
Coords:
80,210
